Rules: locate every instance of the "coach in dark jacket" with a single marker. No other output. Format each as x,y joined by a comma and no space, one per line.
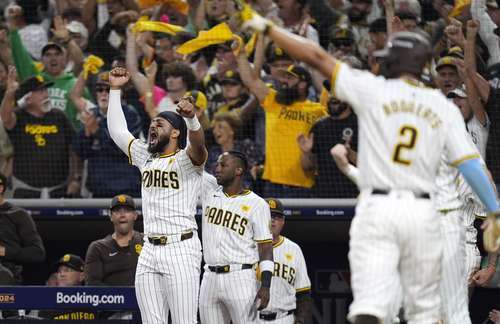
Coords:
20,242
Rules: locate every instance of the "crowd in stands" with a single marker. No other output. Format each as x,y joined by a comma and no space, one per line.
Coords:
250,95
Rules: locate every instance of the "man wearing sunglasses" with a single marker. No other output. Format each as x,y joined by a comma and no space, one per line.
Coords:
108,167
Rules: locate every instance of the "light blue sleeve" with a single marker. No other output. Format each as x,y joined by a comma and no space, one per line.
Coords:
476,177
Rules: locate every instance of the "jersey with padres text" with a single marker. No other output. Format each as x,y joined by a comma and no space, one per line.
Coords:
170,187
403,129
289,277
232,225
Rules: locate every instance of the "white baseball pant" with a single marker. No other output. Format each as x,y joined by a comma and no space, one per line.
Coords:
453,286
472,259
228,296
167,280
395,238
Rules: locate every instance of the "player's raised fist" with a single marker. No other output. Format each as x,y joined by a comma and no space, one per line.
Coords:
118,77
186,108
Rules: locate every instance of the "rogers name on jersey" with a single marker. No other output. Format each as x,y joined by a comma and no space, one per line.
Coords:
227,219
160,179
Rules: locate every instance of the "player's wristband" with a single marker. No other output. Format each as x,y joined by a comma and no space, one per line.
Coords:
266,265
265,278
193,124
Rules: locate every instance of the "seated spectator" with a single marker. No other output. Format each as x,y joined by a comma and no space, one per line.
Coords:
108,168
225,128
288,114
112,261
20,242
42,139
340,125
69,274
54,59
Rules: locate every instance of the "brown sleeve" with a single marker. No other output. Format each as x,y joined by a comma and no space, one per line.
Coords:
93,265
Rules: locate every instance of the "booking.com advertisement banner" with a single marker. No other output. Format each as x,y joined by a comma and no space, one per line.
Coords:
110,298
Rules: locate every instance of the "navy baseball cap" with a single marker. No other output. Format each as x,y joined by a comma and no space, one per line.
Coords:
71,261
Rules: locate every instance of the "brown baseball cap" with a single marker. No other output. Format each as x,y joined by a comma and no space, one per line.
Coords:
276,207
122,200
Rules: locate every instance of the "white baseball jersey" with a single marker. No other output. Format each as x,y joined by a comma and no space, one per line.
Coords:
233,225
479,134
403,129
289,277
170,188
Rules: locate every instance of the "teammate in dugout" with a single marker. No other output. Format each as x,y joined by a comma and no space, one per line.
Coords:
236,235
404,128
168,271
290,300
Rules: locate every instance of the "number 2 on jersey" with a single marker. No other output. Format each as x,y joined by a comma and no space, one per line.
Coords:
409,136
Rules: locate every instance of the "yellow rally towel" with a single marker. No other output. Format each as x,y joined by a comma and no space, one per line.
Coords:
156,26
217,35
250,45
179,5
92,65
459,7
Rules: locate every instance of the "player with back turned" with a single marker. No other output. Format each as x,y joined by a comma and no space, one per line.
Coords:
236,236
404,128
168,270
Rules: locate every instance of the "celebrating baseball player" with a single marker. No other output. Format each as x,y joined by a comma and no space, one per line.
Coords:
291,288
404,127
167,276
236,236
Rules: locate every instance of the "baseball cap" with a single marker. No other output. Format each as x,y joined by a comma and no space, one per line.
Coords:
275,53
200,100
103,78
71,261
299,72
341,32
457,93
445,61
231,77
276,207
122,201
52,45
32,84
77,27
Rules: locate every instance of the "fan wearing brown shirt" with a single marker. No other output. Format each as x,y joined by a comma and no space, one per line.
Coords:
111,261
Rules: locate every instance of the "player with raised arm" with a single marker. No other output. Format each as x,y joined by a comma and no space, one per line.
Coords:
404,127
168,270
236,236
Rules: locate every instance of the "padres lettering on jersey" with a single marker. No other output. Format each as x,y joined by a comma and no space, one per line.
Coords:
233,225
227,219
289,277
418,123
170,187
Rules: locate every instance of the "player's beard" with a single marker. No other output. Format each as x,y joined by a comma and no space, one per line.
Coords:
160,145
286,95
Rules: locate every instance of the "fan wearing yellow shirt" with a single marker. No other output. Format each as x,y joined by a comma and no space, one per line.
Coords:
288,114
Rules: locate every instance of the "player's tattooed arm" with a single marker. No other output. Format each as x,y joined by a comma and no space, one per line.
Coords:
196,150
303,308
